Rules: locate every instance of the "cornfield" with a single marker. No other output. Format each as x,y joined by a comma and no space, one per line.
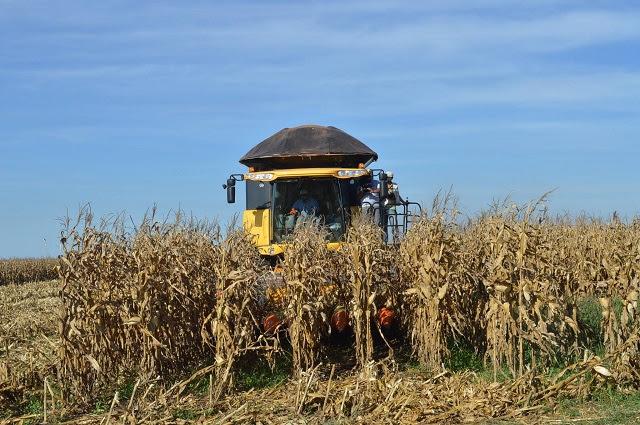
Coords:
163,307
22,270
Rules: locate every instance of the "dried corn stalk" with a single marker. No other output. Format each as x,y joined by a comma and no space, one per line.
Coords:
304,270
370,282
435,281
232,327
133,301
530,311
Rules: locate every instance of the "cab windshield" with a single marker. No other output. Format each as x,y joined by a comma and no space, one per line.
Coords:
297,200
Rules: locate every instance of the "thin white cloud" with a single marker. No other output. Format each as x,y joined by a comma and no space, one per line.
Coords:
439,34
553,89
411,28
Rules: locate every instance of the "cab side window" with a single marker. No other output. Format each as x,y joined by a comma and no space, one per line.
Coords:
258,195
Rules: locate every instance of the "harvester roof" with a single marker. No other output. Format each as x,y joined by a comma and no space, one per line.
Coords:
308,146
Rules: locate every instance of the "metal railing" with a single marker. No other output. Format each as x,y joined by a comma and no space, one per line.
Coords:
394,219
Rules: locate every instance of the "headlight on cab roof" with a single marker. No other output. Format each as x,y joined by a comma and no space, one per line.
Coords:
351,173
259,176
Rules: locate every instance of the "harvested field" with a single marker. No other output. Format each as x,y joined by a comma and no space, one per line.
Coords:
29,340
504,317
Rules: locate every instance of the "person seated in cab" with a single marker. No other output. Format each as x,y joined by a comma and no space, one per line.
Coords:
304,206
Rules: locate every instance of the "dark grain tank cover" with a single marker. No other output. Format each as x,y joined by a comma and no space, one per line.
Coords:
308,146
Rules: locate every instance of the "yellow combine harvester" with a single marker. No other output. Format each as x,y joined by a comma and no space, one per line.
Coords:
317,172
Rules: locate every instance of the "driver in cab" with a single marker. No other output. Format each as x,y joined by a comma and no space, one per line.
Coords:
305,204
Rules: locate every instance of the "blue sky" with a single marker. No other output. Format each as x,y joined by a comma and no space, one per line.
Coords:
130,104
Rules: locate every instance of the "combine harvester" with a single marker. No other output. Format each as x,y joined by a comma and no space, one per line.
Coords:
321,173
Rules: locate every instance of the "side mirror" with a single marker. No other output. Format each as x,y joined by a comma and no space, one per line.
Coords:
384,186
231,191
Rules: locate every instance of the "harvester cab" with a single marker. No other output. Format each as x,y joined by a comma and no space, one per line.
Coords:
320,173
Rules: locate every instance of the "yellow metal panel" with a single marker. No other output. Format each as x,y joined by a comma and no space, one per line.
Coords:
334,246
258,223
273,249
278,248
